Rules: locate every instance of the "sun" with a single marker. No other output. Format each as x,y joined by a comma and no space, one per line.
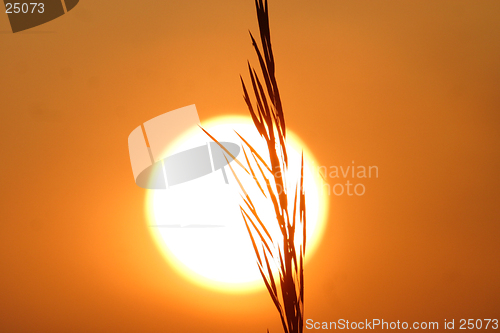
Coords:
198,224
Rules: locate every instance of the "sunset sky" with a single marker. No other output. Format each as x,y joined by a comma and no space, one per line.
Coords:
412,87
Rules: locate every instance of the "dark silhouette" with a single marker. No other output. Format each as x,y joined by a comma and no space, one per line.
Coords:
268,117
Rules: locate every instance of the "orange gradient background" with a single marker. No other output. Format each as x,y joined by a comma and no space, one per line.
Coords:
412,87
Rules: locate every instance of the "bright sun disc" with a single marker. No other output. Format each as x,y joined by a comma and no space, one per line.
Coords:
198,224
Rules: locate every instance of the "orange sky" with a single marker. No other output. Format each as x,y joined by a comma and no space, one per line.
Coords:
411,87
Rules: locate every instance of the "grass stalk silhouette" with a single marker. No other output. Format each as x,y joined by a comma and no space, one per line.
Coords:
287,253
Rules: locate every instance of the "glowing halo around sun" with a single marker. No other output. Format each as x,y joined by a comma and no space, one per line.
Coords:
198,225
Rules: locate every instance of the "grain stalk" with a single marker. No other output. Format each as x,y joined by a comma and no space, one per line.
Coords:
267,114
